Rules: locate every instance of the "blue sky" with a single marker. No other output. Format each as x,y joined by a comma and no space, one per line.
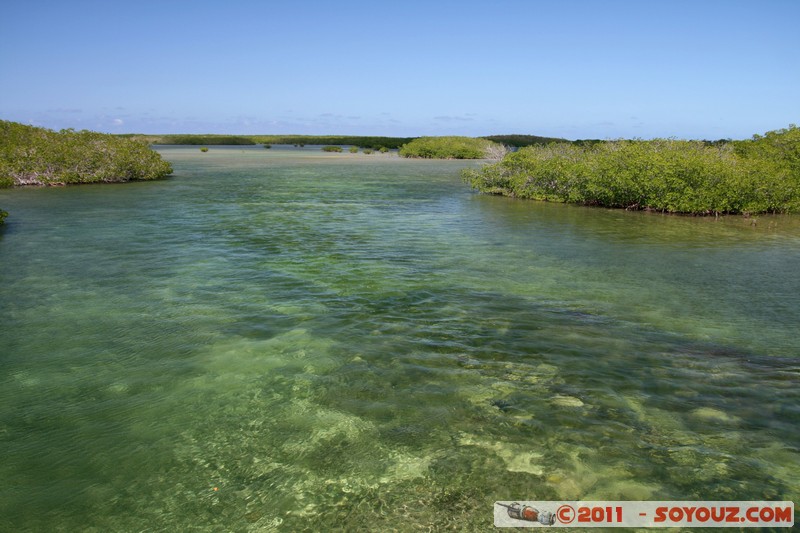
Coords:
575,69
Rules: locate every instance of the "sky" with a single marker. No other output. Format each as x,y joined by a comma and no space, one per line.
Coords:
577,69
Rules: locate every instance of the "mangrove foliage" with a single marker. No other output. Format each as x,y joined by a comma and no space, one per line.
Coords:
452,147
38,156
761,175
518,141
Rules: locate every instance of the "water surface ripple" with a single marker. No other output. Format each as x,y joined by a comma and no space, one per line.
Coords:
283,340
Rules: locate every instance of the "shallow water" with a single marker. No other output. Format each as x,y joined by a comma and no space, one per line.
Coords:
288,340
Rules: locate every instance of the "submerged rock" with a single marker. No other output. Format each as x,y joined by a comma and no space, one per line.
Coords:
713,415
517,457
567,401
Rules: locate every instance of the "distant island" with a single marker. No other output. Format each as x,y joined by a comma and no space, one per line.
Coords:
39,156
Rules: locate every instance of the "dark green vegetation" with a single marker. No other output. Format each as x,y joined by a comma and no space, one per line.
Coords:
367,142
780,146
761,175
451,148
191,139
331,148
298,140
518,141
38,156
364,142
3,216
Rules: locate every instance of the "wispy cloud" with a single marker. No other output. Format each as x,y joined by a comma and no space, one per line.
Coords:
337,116
454,118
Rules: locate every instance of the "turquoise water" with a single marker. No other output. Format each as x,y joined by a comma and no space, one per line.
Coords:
284,340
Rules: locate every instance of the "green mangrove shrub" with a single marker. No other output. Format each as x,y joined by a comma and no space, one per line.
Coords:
449,148
782,147
332,149
204,149
3,215
518,141
38,156
668,175
353,149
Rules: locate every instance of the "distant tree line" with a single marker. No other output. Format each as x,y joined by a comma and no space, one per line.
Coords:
375,143
212,140
760,175
518,141
370,142
191,139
